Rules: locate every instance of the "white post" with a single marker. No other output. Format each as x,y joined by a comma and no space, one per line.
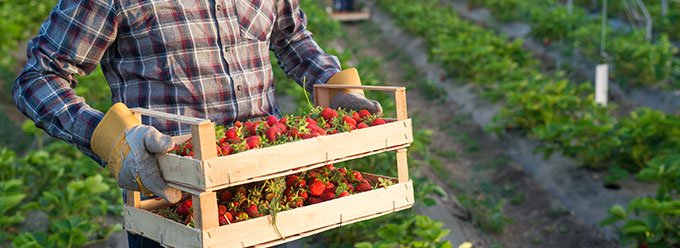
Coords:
601,84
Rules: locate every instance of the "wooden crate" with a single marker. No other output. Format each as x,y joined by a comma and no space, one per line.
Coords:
292,224
206,173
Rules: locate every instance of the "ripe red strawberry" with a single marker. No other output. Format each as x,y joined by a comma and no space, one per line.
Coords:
272,120
330,186
283,120
221,209
226,149
328,114
350,188
303,194
185,207
229,218
313,200
223,220
343,171
363,186
364,113
356,117
231,133
361,125
281,127
310,121
252,211
350,122
294,133
253,142
301,184
271,133
328,195
329,167
238,124
317,188
225,196
378,121
291,180
357,175
343,194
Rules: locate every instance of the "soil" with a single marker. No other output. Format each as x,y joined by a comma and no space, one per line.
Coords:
475,166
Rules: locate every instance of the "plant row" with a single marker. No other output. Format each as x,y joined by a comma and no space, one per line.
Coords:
635,60
549,108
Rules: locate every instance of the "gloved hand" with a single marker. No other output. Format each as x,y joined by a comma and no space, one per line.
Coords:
351,98
129,148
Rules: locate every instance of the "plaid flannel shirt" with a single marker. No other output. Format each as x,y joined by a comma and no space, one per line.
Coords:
200,58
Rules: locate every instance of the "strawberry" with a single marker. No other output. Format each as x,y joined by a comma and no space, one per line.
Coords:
269,197
225,196
343,194
361,125
231,134
272,120
317,188
329,167
364,185
343,171
223,220
271,133
378,121
252,211
238,124
283,120
310,121
241,216
357,175
229,217
328,114
364,113
253,142
185,207
330,186
226,149
328,195
313,200
356,117
294,133
350,122
291,180
303,195
301,184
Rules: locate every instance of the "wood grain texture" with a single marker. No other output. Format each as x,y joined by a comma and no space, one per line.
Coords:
162,230
167,116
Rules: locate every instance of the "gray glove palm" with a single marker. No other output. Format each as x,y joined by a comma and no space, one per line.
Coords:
355,101
140,164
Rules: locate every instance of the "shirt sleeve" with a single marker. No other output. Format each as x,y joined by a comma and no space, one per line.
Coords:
71,41
299,55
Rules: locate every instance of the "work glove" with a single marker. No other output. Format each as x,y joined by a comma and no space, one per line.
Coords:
129,149
353,99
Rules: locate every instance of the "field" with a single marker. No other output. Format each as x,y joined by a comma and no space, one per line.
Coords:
510,147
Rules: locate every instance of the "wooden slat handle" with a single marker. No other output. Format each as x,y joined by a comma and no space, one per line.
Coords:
205,210
402,166
322,95
167,116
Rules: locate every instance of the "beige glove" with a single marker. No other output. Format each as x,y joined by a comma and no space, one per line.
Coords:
351,98
130,149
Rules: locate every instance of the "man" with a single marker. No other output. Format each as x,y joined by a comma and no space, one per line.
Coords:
200,58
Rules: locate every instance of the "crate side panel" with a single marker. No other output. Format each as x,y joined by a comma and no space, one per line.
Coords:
251,164
160,229
332,213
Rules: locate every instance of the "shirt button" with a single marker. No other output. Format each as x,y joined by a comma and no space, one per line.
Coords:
226,49
238,87
218,6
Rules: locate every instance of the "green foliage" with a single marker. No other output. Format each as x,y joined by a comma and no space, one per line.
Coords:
20,19
74,192
417,231
653,221
487,213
